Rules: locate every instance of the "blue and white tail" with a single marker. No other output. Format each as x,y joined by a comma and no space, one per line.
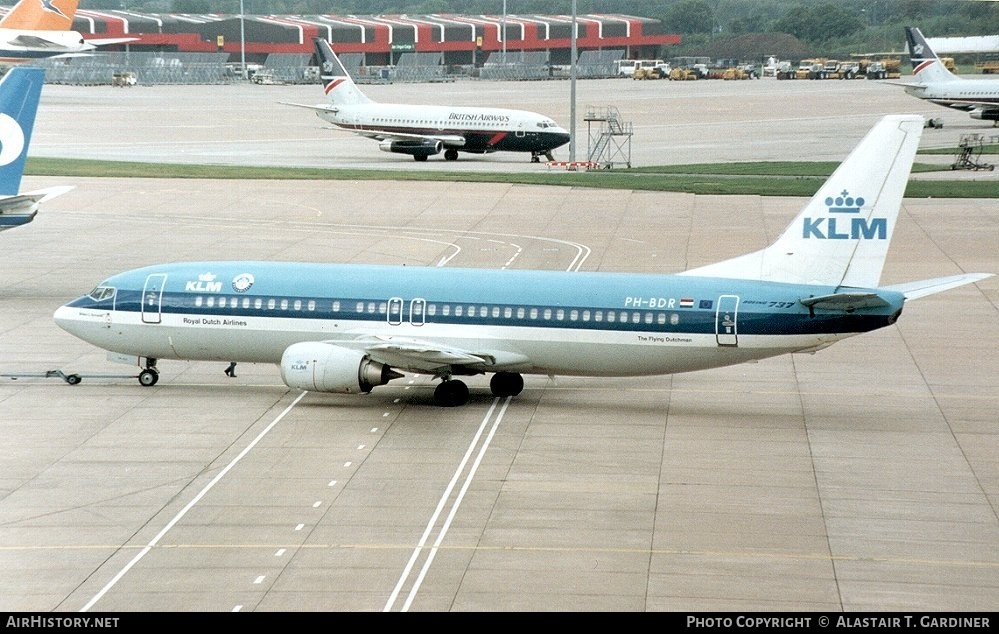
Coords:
339,87
841,237
20,91
926,66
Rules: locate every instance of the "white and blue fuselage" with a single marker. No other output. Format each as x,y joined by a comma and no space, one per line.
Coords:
599,324
347,328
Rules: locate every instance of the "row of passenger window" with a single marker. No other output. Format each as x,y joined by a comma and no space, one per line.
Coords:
418,310
438,125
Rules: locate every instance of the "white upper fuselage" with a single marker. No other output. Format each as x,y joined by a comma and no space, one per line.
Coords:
962,94
419,318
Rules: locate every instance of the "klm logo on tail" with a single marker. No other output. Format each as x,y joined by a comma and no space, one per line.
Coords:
850,228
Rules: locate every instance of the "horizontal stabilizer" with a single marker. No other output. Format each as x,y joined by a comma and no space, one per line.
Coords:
21,202
915,290
42,195
107,41
848,302
317,107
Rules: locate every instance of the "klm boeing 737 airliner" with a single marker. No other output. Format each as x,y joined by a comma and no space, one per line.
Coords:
349,328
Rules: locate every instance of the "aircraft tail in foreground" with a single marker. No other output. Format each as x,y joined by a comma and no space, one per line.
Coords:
20,91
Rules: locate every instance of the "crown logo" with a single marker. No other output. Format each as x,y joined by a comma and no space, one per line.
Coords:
206,277
844,204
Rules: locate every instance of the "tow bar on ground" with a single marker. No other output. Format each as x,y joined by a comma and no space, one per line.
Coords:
72,379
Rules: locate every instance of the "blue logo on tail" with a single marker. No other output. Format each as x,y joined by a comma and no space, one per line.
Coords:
855,228
48,6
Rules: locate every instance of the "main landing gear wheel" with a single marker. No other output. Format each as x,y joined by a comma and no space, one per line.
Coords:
451,393
506,384
450,155
148,377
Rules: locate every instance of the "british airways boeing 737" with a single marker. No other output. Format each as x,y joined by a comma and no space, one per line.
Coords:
20,90
934,83
349,328
425,130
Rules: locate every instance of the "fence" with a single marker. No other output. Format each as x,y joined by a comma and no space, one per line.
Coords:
149,68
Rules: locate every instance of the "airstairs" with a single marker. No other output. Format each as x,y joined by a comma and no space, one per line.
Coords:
969,152
609,138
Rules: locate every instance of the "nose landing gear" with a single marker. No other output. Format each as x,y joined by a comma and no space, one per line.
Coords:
150,375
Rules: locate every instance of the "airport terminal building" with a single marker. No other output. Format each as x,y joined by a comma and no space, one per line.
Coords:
169,42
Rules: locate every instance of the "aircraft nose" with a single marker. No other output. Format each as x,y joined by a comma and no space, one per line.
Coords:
63,318
78,322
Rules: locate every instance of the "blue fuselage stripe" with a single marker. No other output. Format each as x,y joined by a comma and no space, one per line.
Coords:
537,299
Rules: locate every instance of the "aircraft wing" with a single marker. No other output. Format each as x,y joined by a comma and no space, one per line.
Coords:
453,140
915,290
429,356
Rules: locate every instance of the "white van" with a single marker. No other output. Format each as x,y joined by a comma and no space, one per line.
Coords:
627,67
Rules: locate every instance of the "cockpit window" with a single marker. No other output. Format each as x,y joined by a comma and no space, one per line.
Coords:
102,293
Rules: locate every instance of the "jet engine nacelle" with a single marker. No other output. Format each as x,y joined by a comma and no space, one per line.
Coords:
324,367
416,147
985,115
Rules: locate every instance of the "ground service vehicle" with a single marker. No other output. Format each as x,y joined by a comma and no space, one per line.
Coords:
784,70
810,69
986,67
659,71
628,67
684,74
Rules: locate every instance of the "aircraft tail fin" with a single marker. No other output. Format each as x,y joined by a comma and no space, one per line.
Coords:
20,90
841,236
337,83
926,66
41,15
